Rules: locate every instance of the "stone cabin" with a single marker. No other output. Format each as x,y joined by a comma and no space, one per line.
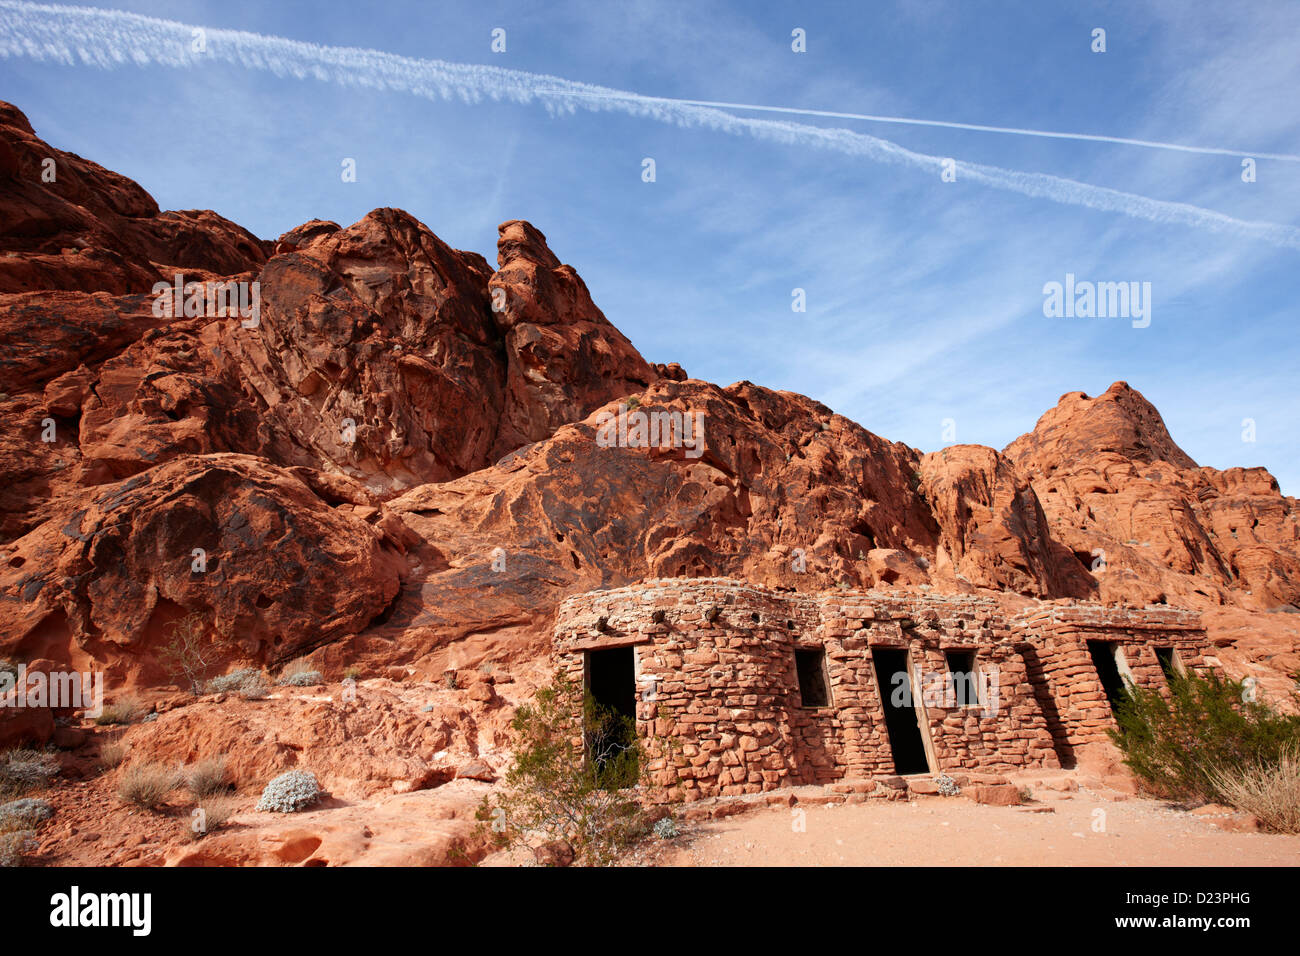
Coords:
738,689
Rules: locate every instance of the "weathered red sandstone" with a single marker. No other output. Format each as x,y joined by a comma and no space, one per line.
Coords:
398,464
277,561
1115,486
67,223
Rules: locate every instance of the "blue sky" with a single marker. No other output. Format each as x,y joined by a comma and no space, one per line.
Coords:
924,298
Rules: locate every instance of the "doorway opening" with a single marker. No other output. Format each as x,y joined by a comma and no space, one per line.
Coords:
1104,660
1169,663
609,716
901,719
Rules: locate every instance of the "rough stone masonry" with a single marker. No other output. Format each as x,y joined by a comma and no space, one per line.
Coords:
740,689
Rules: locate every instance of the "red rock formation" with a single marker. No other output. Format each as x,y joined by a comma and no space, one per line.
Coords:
565,359
71,225
784,493
276,560
374,355
352,462
995,533
1119,493
1119,422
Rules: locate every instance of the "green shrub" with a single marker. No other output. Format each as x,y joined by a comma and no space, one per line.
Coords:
1206,726
557,792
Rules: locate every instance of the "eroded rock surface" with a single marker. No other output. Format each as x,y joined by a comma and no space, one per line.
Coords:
400,460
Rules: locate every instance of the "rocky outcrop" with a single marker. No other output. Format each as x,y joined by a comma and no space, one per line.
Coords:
409,458
778,491
994,531
70,225
564,358
1152,526
374,355
276,561
1119,422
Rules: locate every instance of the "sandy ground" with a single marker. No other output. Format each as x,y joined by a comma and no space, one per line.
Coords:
937,831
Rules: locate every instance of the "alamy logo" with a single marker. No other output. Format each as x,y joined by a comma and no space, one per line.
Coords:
57,690
656,429
215,300
944,689
1101,300
73,909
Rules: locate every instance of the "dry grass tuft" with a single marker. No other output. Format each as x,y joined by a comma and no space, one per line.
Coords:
147,785
1268,790
208,777
113,751
211,815
127,709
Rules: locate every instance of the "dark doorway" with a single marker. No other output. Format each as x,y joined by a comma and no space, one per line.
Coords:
1168,663
610,715
811,667
900,710
1103,658
611,680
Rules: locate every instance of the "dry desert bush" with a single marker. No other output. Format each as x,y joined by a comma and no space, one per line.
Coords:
299,673
248,683
209,777
113,751
1270,790
14,845
211,814
23,770
127,709
147,785
192,653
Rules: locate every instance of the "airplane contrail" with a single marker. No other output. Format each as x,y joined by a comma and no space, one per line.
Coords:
110,39
977,127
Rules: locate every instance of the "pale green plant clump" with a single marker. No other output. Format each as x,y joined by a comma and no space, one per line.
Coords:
290,792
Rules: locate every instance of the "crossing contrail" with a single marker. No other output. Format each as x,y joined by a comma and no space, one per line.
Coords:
110,39
977,127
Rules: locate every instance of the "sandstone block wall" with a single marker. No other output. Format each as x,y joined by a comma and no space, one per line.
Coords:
718,702
1054,643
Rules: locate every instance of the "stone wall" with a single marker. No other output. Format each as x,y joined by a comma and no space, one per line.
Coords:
718,699
1054,640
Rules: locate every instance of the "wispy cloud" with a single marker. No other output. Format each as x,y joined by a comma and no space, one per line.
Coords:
111,39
